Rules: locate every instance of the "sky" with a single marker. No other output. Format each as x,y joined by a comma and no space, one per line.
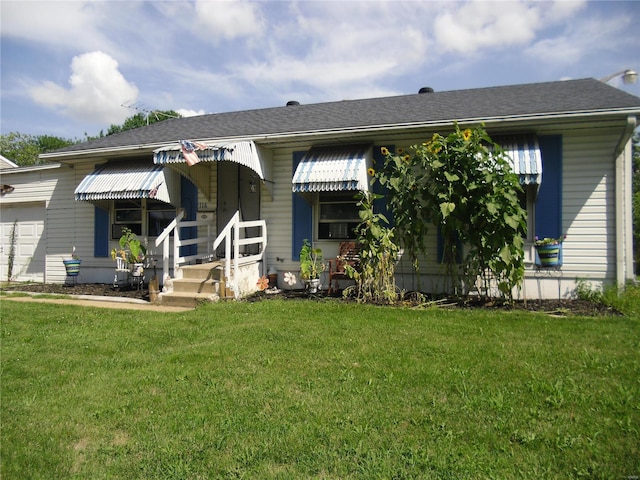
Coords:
73,68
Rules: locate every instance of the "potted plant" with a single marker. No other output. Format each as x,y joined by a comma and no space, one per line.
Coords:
548,250
72,264
311,265
132,251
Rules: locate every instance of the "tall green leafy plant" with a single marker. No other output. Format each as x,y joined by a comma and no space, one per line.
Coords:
375,275
462,184
11,258
404,184
132,249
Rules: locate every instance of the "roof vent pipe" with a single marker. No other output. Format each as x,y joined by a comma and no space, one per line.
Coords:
426,90
292,102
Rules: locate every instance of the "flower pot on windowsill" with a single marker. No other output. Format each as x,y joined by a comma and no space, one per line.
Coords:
72,266
549,255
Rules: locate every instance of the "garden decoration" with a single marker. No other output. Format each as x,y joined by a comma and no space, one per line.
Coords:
311,265
548,250
132,251
72,265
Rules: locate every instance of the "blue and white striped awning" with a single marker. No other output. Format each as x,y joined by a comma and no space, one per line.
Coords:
524,155
245,153
334,168
121,180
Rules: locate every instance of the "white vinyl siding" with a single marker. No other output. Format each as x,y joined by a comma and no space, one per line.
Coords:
277,211
588,216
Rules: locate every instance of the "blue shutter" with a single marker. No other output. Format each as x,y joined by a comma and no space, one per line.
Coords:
380,205
548,220
101,232
302,216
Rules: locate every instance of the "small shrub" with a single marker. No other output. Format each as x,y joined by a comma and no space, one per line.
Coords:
586,291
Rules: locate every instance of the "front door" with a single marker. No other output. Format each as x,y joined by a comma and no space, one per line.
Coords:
189,201
238,189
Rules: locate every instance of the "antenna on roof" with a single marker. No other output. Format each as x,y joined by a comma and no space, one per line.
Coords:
142,108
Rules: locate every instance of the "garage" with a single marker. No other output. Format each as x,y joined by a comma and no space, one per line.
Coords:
29,248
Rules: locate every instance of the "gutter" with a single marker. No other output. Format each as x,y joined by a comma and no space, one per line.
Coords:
622,156
29,168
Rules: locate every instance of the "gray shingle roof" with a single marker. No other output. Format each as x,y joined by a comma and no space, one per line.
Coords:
552,98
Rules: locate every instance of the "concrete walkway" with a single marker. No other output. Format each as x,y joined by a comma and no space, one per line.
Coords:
120,303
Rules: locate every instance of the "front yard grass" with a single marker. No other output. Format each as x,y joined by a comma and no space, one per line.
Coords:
296,389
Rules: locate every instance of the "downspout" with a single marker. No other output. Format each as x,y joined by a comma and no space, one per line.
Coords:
624,220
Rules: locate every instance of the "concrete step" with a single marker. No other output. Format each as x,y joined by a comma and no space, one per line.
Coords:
187,299
212,270
193,285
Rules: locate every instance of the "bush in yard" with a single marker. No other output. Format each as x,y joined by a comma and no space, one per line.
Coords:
462,184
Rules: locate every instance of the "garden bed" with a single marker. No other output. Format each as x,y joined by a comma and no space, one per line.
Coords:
556,307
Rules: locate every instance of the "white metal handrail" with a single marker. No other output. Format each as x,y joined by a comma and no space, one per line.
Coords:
230,235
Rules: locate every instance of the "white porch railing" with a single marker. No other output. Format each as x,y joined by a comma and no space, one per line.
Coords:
233,235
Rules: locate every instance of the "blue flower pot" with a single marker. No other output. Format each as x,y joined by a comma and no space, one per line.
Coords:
72,266
549,255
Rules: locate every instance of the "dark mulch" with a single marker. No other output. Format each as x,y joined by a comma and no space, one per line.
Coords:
97,289
411,299
557,307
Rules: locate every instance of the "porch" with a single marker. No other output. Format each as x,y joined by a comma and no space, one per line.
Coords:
225,266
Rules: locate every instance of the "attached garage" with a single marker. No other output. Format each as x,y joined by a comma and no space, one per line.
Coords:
29,247
25,201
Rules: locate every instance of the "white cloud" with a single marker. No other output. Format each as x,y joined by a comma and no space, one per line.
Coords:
346,49
469,27
477,25
228,19
190,113
579,41
66,24
96,93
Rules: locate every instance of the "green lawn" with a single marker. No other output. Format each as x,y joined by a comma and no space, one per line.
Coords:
300,389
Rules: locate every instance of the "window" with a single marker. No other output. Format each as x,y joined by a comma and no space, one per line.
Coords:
337,214
126,214
147,218
159,215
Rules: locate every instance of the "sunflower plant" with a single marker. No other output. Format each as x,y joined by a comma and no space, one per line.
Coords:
462,185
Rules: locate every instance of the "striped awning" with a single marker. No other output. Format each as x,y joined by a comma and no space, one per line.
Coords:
334,168
120,181
245,153
524,155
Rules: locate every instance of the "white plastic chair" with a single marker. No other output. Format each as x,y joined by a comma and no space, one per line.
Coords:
122,273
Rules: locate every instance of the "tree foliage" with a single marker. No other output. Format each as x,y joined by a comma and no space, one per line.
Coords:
462,184
141,120
24,149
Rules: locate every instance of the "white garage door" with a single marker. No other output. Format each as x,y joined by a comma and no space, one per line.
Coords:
29,257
